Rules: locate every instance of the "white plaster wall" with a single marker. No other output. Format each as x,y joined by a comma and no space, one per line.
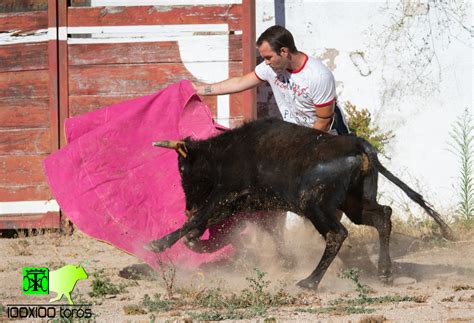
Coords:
421,122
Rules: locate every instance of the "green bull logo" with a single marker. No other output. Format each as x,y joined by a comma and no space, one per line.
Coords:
61,281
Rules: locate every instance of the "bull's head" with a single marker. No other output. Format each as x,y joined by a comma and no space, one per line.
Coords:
179,146
194,164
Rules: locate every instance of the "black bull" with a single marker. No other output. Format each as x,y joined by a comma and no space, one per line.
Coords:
274,165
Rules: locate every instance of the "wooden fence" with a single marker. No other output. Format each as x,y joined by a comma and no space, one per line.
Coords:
66,58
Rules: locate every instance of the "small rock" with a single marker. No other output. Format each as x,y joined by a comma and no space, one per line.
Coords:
400,281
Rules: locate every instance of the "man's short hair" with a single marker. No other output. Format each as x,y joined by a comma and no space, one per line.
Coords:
278,37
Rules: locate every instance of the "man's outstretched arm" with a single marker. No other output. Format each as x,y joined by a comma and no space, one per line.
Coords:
232,85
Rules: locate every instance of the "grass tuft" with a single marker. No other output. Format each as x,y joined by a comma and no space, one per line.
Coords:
457,288
357,305
133,310
103,286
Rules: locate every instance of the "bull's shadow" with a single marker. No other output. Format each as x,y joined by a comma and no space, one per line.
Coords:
364,256
419,272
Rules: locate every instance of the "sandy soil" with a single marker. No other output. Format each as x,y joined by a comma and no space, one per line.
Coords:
436,275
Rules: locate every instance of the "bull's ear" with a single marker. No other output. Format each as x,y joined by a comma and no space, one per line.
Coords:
179,146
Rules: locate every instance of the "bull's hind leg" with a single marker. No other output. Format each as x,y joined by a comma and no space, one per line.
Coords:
334,233
274,223
362,208
378,216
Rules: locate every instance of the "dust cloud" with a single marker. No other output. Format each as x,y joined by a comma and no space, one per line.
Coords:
301,248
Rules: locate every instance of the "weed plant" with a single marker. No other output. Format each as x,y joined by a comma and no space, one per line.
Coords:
462,134
156,303
21,247
254,300
133,310
457,288
103,286
168,276
358,305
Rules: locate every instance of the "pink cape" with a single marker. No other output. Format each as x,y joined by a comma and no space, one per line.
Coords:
116,187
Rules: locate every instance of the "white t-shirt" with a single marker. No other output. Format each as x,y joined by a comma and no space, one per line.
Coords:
299,93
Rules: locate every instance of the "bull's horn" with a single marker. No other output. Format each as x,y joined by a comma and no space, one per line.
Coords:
167,144
179,146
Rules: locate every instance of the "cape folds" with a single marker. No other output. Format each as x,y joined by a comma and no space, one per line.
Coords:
115,186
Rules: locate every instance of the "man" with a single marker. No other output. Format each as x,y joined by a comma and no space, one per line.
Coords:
304,88
305,92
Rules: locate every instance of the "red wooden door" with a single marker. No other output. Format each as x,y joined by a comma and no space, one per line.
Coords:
116,53
28,112
69,57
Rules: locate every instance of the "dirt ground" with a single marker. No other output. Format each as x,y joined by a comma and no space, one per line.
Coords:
433,280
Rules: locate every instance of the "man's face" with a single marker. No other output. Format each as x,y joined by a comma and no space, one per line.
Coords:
278,62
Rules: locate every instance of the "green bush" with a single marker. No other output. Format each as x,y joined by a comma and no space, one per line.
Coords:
156,304
102,285
253,301
360,124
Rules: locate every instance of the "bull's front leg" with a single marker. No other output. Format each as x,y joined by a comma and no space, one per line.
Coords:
164,243
192,226
220,207
199,220
219,237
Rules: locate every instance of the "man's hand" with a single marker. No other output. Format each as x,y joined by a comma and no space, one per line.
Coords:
203,89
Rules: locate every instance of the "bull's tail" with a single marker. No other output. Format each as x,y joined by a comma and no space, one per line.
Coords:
414,196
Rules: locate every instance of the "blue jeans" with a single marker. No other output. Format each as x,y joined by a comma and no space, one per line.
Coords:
339,123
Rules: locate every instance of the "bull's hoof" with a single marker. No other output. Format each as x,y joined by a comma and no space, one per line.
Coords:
187,242
157,246
386,279
193,235
289,262
308,284
385,274
448,234
193,244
